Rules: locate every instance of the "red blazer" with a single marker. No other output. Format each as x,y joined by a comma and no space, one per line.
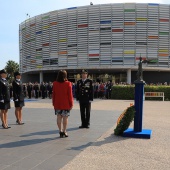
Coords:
62,95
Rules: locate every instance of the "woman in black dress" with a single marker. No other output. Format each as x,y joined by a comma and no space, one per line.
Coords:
4,99
18,97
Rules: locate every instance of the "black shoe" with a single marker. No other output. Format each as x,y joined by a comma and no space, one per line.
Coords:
19,123
9,127
4,126
65,134
81,127
87,127
61,134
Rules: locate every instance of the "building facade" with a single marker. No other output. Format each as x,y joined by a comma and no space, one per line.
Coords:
107,40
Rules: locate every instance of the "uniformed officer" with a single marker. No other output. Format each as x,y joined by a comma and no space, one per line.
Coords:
84,96
36,89
18,97
43,89
4,98
29,90
108,90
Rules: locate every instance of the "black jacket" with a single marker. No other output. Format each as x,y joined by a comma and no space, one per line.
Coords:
18,92
84,91
29,88
4,90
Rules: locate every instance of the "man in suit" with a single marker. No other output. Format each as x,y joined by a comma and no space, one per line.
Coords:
108,90
84,95
29,90
43,89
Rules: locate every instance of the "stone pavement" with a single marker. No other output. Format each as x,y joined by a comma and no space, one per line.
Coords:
36,145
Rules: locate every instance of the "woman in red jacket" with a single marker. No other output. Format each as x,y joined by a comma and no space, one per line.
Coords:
62,99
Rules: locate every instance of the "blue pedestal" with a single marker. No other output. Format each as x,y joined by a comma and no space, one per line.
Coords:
145,133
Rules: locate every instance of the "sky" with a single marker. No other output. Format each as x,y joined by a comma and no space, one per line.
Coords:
13,12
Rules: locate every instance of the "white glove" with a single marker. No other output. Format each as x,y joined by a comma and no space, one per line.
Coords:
16,100
2,101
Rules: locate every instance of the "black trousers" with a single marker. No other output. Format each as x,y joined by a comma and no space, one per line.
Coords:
36,94
85,109
43,94
29,94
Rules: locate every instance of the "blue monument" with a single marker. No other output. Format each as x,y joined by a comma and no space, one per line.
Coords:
138,132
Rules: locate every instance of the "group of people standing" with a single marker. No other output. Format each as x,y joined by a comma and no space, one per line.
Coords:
18,97
37,90
63,104
62,99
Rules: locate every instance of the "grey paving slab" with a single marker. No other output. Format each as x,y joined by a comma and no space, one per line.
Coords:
112,152
54,163
36,144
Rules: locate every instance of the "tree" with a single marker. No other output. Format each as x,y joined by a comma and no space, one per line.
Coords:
11,67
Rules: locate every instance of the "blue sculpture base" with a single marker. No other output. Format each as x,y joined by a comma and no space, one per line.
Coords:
146,133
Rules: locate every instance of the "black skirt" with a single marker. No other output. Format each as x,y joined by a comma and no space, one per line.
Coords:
5,105
19,103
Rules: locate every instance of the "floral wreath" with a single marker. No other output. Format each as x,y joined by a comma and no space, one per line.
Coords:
124,120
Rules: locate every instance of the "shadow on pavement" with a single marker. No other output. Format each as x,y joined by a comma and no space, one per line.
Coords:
25,142
51,132
82,147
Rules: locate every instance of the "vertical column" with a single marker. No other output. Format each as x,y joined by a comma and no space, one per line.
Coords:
129,76
139,91
41,76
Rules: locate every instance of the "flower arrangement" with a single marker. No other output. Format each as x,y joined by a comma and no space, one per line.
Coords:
124,120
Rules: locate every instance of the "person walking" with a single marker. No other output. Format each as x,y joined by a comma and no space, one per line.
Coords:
18,97
84,95
62,99
4,99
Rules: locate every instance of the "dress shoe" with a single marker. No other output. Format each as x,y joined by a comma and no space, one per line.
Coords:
19,123
61,134
81,127
65,134
87,127
4,126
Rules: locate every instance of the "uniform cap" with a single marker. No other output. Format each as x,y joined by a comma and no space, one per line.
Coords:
84,71
16,74
2,71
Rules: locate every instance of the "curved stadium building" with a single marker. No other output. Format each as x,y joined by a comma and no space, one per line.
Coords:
107,40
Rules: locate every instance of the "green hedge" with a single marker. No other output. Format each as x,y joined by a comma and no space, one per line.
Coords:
127,92
123,92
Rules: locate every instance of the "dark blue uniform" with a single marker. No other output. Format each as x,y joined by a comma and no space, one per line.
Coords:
4,94
18,93
84,95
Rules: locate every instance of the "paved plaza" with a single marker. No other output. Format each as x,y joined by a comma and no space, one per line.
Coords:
37,146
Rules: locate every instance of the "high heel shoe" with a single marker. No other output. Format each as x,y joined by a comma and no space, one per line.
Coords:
65,134
61,134
4,126
19,123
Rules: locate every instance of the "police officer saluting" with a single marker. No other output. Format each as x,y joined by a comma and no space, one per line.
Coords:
18,97
4,98
84,96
